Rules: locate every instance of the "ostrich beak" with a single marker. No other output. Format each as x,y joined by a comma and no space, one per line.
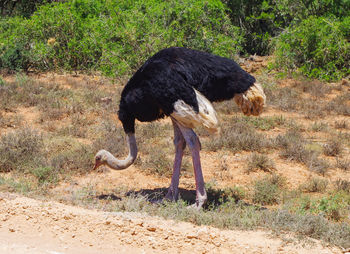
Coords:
97,163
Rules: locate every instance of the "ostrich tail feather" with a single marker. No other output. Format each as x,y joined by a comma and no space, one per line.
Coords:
251,101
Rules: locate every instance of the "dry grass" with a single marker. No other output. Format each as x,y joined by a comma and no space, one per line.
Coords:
259,162
314,184
237,136
79,119
20,150
333,147
343,164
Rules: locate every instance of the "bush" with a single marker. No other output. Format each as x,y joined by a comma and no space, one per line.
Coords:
315,185
261,20
21,150
259,161
115,37
317,47
268,190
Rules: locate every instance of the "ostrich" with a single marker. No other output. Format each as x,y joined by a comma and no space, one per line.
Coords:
181,83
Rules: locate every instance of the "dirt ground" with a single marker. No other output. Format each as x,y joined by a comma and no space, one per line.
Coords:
31,226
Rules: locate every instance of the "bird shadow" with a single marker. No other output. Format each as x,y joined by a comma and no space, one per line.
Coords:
216,197
157,194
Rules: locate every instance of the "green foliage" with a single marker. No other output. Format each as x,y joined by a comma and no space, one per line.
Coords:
267,191
261,20
332,206
45,175
318,48
116,37
113,37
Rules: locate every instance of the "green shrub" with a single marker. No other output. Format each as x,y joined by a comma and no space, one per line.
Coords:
318,47
115,37
45,175
261,20
268,190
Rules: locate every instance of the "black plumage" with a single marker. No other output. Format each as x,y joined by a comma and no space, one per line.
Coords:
170,75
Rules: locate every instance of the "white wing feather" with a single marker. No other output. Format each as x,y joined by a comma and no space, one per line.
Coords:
206,116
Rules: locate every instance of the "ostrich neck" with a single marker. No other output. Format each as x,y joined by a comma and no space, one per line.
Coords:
116,164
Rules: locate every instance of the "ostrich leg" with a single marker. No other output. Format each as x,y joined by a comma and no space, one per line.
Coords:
180,144
195,146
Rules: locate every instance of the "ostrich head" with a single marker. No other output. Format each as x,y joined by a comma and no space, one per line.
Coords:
104,157
101,158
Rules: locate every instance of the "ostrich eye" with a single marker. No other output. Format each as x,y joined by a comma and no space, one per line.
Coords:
98,158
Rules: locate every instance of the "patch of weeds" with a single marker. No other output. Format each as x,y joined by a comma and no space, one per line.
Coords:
132,203
341,124
339,104
312,109
45,175
12,121
21,149
317,164
259,162
314,184
264,123
343,164
293,126
333,147
285,98
293,146
158,163
237,137
316,89
319,126
78,127
342,185
77,159
217,196
332,206
22,185
268,190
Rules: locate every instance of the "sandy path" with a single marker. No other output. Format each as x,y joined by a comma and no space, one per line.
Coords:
32,226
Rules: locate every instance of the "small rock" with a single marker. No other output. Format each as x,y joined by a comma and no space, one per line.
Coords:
12,230
192,236
212,236
151,229
66,217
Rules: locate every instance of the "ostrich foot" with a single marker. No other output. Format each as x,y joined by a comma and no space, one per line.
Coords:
201,199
